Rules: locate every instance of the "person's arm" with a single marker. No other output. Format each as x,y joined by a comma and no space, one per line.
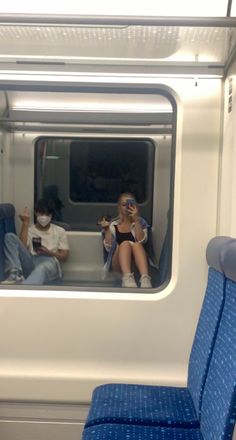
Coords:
25,218
140,233
107,237
107,233
60,254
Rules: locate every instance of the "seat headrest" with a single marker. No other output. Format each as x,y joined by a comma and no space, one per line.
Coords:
215,251
229,261
6,210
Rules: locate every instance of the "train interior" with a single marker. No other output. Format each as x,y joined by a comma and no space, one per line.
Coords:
91,107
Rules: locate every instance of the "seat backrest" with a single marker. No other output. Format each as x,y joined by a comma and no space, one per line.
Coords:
7,224
218,412
9,217
209,319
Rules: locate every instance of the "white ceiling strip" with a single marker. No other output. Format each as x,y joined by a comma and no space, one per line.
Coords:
233,8
180,8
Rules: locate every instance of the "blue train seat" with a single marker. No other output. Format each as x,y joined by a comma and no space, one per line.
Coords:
162,405
7,224
137,432
218,408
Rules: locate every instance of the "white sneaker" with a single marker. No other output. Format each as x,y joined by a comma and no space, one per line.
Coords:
145,282
13,278
128,280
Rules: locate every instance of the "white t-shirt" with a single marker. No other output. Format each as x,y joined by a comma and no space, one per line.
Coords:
53,239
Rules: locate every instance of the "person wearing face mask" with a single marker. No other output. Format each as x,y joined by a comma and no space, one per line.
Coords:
35,257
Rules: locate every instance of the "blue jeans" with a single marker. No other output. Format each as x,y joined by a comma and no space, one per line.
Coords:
37,269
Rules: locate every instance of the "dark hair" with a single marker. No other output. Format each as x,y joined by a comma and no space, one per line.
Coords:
43,207
50,194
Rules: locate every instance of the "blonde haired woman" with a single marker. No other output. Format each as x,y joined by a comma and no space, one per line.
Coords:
124,239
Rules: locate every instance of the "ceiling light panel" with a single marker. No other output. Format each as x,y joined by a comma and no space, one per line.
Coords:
233,8
86,102
82,44
203,8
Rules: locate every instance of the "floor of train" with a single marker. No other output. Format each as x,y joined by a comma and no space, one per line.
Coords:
87,278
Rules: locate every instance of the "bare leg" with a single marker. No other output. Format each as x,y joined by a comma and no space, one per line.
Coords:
140,258
115,260
125,256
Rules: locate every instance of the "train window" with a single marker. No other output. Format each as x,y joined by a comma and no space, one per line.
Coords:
84,173
95,177
87,175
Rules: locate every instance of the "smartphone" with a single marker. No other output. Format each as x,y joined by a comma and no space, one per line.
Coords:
130,202
37,243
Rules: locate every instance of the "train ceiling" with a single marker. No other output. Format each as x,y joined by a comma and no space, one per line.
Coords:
127,45
41,53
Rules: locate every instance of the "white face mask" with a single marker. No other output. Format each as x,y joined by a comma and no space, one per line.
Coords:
43,220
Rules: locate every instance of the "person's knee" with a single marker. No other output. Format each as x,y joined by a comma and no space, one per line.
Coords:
49,264
125,245
137,245
138,248
10,237
48,267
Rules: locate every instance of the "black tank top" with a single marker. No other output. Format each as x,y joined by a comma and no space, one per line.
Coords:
123,236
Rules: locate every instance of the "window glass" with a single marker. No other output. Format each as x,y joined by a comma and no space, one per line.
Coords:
85,176
101,170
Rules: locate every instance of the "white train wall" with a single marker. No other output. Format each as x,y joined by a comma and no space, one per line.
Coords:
56,346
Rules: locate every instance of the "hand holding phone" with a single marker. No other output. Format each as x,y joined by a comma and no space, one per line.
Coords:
130,202
132,208
37,243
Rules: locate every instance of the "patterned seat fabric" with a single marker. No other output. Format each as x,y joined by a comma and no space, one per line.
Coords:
135,432
142,405
170,406
218,412
218,409
205,336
